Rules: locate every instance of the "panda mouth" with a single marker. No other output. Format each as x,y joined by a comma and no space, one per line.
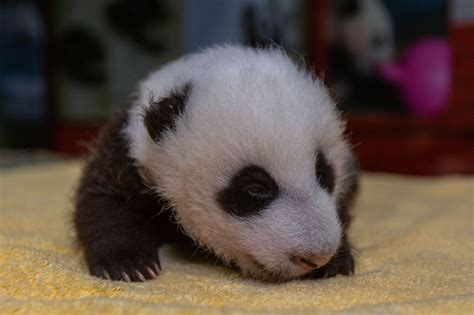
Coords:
260,266
262,272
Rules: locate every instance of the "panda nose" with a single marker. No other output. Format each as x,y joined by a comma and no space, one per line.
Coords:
310,261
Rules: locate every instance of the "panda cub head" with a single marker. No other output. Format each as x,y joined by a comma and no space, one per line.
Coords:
248,150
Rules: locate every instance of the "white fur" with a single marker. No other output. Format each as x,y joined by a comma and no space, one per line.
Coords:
246,106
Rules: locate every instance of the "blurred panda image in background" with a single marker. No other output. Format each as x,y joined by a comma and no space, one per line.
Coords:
361,37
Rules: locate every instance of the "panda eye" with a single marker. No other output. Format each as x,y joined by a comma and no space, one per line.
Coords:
324,172
250,191
378,41
257,191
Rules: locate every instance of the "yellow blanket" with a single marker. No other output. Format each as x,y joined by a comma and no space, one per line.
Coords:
414,242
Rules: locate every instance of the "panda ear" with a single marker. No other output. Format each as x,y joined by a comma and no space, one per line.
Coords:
160,115
347,8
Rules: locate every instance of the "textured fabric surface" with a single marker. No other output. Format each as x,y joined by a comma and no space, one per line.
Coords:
414,242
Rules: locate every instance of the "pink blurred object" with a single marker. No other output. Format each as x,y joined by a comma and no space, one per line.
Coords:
423,76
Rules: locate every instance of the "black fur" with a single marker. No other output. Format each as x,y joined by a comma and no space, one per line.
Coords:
251,190
161,115
116,215
343,261
324,172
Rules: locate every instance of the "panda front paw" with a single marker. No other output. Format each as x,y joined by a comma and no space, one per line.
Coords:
127,265
342,263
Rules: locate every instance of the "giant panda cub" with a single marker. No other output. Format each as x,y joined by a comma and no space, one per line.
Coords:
236,149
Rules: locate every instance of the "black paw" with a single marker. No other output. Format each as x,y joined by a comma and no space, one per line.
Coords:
127,265
342,263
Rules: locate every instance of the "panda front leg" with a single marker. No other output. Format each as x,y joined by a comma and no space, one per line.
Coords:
120,240
341,263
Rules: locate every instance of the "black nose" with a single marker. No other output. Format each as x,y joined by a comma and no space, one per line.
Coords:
310,261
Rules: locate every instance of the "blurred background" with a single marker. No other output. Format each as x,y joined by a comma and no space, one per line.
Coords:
401,70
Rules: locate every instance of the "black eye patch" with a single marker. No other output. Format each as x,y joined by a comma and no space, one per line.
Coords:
251,190
324,172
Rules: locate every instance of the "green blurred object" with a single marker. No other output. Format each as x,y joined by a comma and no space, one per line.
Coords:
105,48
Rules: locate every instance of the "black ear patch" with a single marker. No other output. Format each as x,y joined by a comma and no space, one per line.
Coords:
347,8
251,190
324,172
161,115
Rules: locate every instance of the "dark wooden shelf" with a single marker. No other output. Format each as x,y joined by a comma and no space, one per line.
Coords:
413,145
